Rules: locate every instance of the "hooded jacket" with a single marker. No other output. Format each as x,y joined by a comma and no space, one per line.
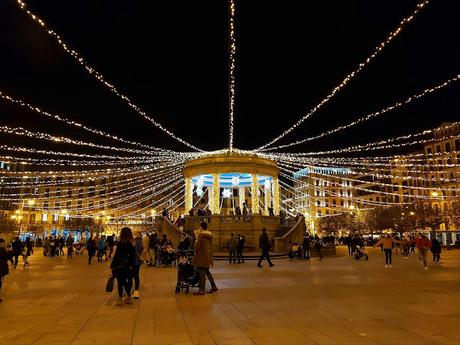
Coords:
203,250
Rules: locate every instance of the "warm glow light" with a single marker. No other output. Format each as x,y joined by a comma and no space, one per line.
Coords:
30,202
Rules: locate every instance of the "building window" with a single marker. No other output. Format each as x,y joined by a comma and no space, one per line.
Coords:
438,148
44,217
55,217
447,147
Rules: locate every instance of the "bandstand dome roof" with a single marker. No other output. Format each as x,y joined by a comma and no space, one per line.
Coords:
233,164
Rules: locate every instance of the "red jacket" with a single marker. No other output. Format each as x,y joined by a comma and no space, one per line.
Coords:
423,243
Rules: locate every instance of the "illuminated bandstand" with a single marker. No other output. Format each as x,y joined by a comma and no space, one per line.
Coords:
244,181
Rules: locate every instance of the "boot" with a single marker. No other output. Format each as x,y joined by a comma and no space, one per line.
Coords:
119,302
136,294
129,300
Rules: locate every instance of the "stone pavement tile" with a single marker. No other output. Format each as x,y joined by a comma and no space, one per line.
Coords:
165,339
276,336
231,337
208,320
238,317
256,314
437,328
201,338
169,323
314,336
27,338
58,336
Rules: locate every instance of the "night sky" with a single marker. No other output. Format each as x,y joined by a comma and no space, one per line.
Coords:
171,58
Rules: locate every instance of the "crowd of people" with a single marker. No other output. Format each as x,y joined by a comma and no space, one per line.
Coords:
131,250
404,245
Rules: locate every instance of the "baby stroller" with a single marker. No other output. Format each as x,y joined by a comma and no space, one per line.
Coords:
186,275
167,255
360,253
78,249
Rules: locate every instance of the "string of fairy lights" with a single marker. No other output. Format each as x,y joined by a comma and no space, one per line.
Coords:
369,116
131,180
93,72
231,81
379,48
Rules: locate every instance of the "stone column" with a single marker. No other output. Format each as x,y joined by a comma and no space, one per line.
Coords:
268,196
188,194
215,192
255,194
211,199
241,197
276,196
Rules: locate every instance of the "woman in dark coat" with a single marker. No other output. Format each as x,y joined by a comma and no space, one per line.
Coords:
122,265
27,251
436,250
3,262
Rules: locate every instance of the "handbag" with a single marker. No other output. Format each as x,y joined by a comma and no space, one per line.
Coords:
109,284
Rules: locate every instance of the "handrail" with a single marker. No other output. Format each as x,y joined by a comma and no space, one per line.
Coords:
301,219
174,235
281,243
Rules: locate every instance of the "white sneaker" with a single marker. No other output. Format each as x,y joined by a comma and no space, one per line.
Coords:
136,294
386,266
426,268
389,266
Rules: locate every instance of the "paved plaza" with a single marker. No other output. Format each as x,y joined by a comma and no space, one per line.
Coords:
335,301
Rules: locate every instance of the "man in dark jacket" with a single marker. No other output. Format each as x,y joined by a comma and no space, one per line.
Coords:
3,262
17,250
240,248
231,246
436,250
306,247
264,244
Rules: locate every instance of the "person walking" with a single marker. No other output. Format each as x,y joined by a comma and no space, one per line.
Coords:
231,247
435,250
110,244
122,265
319,248
153,245
69,245
27,251
61,243
264,244
387,244
4,270
91,247
349,242
100,249
203,258
306,247
52,252
240,248
141,255
17,250
423,244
